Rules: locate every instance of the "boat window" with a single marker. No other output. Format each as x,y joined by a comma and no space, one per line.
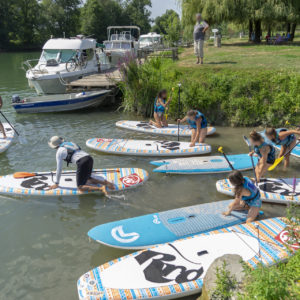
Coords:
156,39
146,40
60,56
126,45
89,53
108,45
66,55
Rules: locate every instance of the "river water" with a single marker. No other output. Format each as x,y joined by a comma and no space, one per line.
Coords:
44,245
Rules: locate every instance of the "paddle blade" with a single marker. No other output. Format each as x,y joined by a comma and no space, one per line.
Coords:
276,163
23,175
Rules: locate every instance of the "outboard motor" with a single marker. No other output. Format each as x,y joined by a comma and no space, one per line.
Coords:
15,99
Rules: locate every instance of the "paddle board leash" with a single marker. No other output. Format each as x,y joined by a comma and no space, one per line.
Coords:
9,123
178,110
220,149
252,161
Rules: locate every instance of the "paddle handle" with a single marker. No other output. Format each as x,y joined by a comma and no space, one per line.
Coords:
9,123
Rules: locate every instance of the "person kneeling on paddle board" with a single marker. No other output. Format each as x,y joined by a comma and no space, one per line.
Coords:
265,152
198,124
1,126
285,138
160,105
247,196
71,153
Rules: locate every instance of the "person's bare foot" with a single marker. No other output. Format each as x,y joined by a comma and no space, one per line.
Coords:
110,185
197,62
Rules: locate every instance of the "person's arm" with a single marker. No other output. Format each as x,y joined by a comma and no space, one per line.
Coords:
206,27
162,103
196,138
59,163
1,102
262,162
233,205
182,120
284,134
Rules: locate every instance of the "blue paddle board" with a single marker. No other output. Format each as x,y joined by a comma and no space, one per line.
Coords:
204,164
164,227
295,152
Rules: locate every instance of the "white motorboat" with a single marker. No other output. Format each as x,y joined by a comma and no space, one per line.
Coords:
121,43
59,102
62,60
150,40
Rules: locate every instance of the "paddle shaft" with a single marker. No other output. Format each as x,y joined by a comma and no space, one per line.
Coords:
9,123
229,163
252,161
178,112
291,149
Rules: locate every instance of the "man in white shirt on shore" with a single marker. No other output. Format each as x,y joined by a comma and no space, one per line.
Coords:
199,34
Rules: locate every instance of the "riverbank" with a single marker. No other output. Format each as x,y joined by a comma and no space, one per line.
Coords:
240,84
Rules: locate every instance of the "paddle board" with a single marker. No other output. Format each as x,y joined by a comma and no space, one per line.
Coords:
177,269
171,130
10,133
204,165
295,152
163,227
146,147
123,178
279,190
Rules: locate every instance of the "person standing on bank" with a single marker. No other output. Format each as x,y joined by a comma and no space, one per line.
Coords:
71,153
199,34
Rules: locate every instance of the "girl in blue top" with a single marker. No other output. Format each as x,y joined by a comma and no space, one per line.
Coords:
285,138
160,105
198,124
247,196
265,152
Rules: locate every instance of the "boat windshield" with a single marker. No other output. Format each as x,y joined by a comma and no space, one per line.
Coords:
146,40
61,56
117,45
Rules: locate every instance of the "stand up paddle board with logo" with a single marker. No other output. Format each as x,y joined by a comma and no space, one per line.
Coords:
171,130
295,151
10,133
177,269
38,183
163,227
146,148
204,165
279,190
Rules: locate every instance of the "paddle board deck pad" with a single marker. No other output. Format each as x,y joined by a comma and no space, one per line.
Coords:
146,148
177,269
163,227
10,133
279,190
123,178
171,130
295,152
204,165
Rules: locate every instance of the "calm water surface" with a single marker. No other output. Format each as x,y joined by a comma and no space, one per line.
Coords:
44,245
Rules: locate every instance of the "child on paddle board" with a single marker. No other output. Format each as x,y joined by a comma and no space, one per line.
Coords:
160,105
198,124
286,138
71,153
247,196
1,126
265,152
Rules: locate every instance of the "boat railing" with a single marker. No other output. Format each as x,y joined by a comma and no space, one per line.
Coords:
28,65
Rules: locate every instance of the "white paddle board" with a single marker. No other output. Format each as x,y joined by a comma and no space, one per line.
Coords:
6,142
171,130
146,147
279,190
177,269
204,165
164,227
38,185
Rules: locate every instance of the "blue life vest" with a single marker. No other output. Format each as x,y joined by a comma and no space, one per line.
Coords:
193,123
159,108
271,154
285,142
250,186
71,148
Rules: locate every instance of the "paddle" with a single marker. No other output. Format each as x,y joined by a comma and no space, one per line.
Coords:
280,159
220,149
252,161
9,123
294,187
288,123
27,174
178,110
167,110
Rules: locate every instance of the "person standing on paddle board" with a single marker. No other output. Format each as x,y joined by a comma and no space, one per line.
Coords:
265,152
198,124
71,153
160,105
285,138
1,126
247,196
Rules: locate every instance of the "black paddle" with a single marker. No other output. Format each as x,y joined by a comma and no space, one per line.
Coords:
220,149
250,149
9,123
178,110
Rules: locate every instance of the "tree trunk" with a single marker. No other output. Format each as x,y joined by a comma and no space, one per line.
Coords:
250,29
288,28
294,25
257,31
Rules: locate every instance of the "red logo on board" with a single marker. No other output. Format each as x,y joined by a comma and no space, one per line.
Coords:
130,180
104,140
285,238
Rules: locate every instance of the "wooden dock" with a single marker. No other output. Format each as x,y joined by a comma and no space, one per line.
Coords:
104,80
